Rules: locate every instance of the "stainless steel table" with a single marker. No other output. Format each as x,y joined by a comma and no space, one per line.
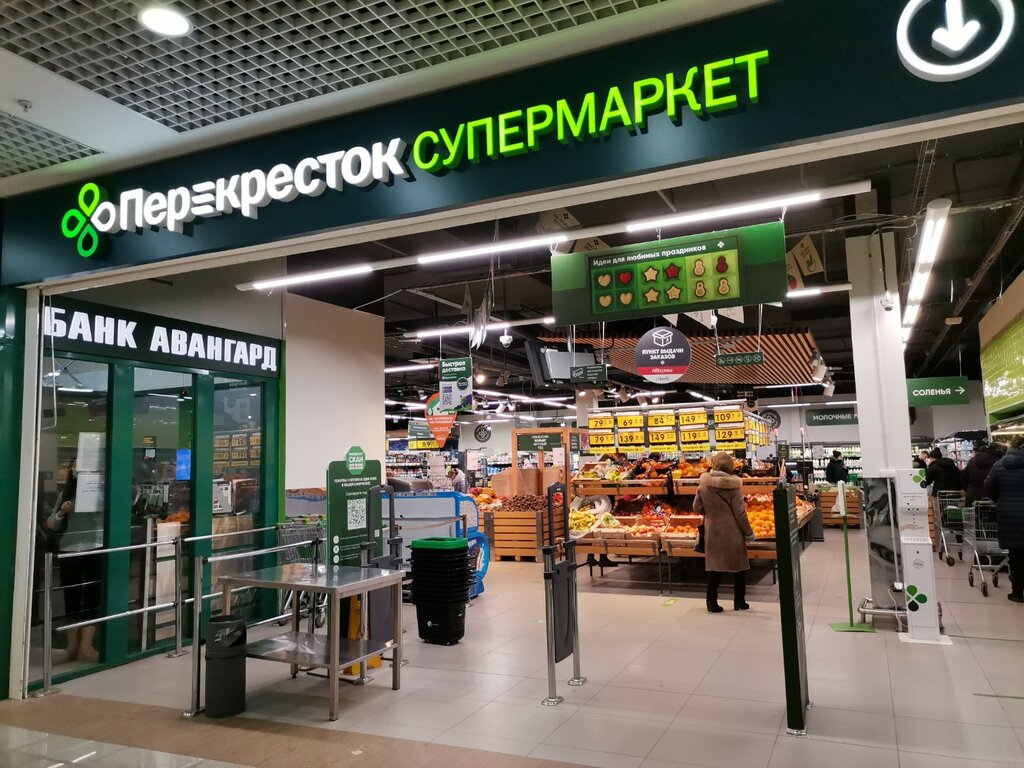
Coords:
299,648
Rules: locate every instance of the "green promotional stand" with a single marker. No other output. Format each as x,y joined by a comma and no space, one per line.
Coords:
851,625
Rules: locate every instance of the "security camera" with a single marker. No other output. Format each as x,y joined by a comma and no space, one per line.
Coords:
887,302
506,340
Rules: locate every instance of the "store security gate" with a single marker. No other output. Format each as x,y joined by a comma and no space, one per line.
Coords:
560,597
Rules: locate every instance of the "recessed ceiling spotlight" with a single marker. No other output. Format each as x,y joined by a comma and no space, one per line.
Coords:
165,20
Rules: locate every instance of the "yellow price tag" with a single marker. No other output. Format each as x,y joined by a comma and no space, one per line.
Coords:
662,436
693,436
729,446
631,438
630,420
729,433
602,449
728,417
661,419
688,418
696,448
602,440
601,422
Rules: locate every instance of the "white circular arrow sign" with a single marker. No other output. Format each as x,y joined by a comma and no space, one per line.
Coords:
953,41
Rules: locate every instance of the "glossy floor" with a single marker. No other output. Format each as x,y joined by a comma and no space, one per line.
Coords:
669,684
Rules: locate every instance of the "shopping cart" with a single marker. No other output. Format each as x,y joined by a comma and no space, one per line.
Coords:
293,533
949,524
982,544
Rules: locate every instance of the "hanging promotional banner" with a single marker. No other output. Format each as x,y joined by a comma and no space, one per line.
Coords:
439,420
457,384
794,280
806,256
729,268
663,355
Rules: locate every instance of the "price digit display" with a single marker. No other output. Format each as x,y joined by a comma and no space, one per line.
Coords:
693,436
687,418
631,438
631,421
662,437
729,433
728,417
661,420
602,440
601,422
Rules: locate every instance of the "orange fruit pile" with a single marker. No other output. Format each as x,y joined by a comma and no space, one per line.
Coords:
761,513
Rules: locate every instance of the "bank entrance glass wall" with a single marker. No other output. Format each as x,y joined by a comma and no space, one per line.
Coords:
134,453
71,508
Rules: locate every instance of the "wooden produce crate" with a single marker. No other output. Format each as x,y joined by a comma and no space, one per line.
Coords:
515,534
854,509
599,543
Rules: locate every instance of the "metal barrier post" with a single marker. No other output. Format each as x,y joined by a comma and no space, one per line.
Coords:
178,613
569,546
147,582
553,699
197,619
47,630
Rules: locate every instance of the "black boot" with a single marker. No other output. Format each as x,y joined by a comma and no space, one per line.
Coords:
713,580
740,591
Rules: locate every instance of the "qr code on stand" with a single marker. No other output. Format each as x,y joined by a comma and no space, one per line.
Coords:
356,514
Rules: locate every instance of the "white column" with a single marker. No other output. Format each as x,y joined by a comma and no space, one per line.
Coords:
881,376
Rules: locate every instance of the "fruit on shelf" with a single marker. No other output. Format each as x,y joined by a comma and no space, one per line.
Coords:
608,520
580,520
761,514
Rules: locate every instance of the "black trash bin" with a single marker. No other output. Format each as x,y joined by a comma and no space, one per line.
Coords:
442,576
225,666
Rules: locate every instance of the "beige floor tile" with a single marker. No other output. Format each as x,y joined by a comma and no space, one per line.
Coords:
712,747
957,706
531,691
426,709
513,721
659,706
918,760
863,728
799,752
395,731
602,733
678,679
983,742
455,738
585,757
714,712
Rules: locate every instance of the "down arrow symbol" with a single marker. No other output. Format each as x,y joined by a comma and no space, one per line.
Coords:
954,38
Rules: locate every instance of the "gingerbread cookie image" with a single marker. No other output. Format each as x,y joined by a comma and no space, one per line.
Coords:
699,268
699,290
724,287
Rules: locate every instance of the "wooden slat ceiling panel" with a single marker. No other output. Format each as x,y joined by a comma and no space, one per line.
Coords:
787,357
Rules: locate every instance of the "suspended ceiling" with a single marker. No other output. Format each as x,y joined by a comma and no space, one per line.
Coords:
97,80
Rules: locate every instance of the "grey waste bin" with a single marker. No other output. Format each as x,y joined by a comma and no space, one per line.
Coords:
225,666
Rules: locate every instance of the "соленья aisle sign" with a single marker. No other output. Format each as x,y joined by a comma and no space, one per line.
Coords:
938,390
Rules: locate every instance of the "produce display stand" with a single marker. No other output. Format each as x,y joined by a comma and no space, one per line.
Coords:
542,440
519,534
854,508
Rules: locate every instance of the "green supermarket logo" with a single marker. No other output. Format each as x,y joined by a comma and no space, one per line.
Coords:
915,598
77,224
919,476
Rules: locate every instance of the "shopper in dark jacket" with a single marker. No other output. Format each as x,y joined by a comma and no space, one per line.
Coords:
1005,485
836,469
977,470
942,474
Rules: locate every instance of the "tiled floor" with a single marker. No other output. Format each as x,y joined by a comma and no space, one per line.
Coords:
670,685
21,748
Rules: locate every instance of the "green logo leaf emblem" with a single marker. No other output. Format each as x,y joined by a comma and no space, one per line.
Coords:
76,224
915,598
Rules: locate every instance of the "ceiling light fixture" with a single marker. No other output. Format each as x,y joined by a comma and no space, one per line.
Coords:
492,248
76,390
818,290
309,277
935,220
753,206
408,368
165,20
480,377
468,328
700,396
789,386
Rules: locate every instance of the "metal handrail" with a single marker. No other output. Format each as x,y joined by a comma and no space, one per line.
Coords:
179,600
109,550
228,534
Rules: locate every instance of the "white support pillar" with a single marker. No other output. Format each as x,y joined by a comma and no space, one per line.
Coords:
881,375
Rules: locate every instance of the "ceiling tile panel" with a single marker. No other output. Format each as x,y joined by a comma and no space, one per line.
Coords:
27,147
245,56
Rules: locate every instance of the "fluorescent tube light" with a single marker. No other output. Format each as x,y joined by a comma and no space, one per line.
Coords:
753,206
468,328
935,220
76,390
799,294
405,368
308,277
700,396
817,290
492,248
790,386
522,398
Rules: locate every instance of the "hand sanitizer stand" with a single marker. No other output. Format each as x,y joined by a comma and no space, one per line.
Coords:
917,560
